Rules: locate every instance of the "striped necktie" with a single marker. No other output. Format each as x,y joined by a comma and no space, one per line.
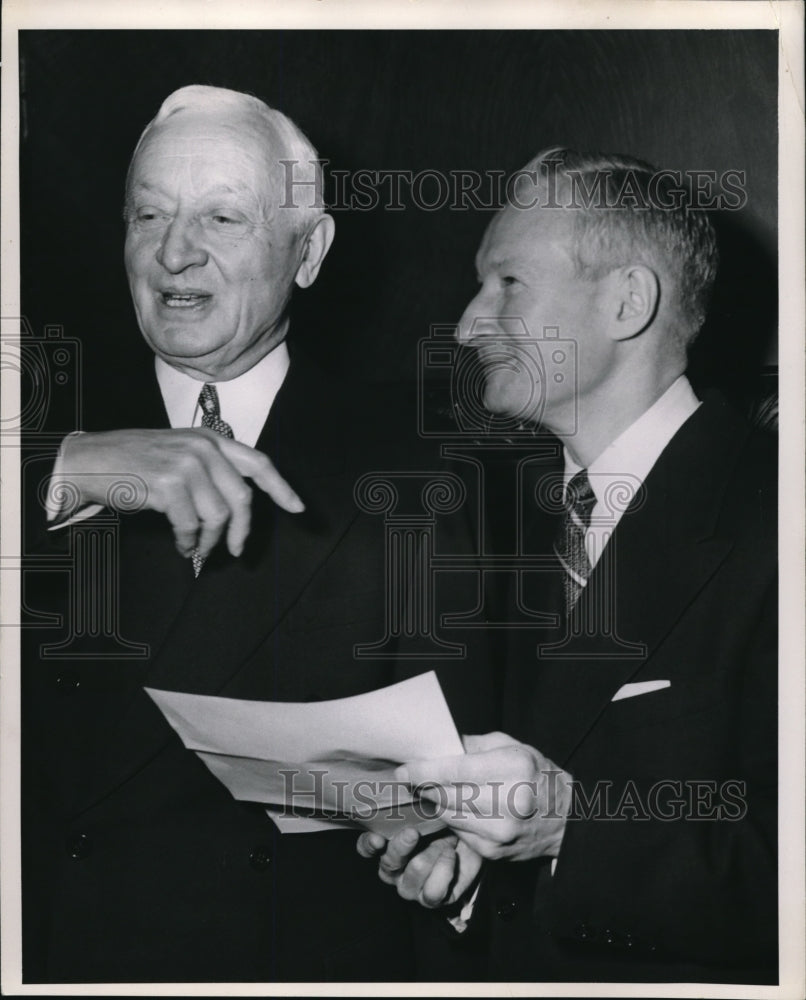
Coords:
570,544
211,417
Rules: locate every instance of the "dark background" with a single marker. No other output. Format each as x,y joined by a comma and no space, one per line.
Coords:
412,100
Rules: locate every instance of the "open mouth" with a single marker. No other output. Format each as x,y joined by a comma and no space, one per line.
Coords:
184,300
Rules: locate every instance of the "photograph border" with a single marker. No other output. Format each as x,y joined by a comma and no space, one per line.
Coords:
787,18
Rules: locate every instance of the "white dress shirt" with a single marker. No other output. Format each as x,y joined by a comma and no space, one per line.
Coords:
620,470
244,403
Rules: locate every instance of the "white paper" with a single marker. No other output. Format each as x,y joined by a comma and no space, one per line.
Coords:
321,765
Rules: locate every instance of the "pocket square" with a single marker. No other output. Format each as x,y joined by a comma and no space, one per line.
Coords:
642,687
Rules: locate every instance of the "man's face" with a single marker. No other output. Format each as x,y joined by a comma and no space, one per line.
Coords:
211,260
530,306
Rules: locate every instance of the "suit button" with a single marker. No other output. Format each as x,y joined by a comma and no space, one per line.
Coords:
68,682
259,858
79,846
506,910
584,932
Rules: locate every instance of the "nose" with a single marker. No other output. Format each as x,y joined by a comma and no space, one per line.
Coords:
181,246
477,319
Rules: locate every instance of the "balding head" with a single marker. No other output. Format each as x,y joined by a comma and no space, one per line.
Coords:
231,110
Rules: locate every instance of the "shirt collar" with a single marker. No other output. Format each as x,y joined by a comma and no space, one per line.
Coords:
245,401
623,466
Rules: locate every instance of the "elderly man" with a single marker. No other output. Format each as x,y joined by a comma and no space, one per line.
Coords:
138,865
630,805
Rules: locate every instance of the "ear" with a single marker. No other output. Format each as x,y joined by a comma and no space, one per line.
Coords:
637,294
315,248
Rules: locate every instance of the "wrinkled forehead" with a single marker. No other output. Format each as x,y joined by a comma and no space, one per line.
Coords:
244,146
528,235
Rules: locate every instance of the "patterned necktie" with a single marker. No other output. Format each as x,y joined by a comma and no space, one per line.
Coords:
211,417
570,544
211,411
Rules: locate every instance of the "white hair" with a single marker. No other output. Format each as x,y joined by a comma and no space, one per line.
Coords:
299,182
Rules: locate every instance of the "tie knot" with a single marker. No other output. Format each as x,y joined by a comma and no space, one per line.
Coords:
579,497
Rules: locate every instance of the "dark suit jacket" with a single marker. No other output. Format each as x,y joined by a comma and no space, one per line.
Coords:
639,895
137,863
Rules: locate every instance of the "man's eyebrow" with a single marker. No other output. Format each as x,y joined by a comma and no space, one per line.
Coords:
499,263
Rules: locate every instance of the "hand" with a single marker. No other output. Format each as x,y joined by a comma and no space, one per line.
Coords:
503,799
435,875
194,476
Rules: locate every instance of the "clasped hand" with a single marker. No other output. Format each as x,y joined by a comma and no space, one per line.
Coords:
501,800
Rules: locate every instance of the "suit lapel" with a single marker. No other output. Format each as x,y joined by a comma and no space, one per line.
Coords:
661,555
236,603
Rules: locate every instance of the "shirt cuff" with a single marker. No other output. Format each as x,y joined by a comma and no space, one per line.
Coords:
59,512
460,922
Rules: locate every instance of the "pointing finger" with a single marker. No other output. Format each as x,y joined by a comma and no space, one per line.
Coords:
262,472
